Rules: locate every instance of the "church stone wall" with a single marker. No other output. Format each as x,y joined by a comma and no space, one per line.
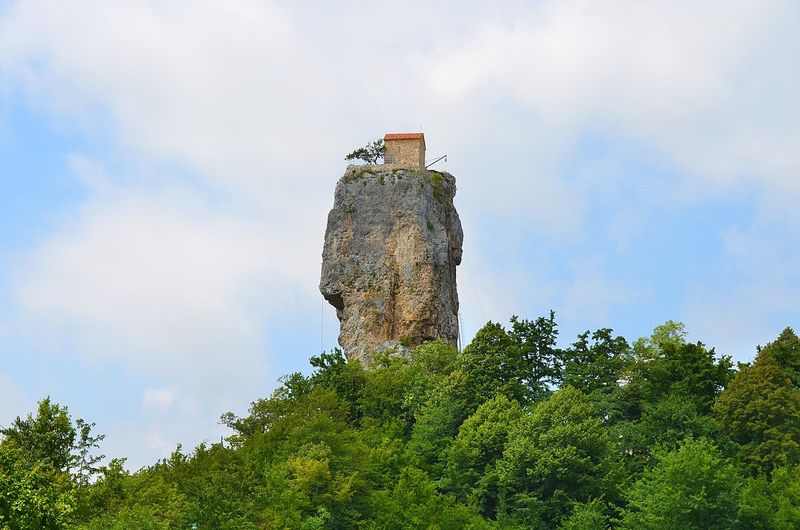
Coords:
405,152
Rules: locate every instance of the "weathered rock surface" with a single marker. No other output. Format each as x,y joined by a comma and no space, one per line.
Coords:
389,263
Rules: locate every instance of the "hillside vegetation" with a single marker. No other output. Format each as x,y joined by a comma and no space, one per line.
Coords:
512,432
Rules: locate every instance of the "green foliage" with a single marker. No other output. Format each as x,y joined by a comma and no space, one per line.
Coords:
370,153
385,391
555,456
512,433
523,364
586,516
148,499
136,516
470,472
670,333
436,179
595,367
771,504
48,437
697,376
691,487
662,425
46,465
665,393
488,365
436,423
760,412
436,358
665,364
32,494
536,359
415,503
347,379
786,351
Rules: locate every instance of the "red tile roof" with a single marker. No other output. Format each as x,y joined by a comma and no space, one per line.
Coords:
404,136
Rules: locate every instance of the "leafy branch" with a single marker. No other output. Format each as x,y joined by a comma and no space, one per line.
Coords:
370,153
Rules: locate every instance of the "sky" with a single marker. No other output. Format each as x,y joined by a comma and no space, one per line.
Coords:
166,169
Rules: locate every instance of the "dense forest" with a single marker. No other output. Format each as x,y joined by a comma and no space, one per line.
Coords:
512,432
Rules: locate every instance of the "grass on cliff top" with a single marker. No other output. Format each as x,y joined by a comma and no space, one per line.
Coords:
435,178
356,172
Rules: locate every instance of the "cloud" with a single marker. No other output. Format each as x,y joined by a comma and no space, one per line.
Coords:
156,443
242,92
709,87
216,133
758,288
159,400
233,90
178,290
162,281
92,173
590,293
13,400
261,100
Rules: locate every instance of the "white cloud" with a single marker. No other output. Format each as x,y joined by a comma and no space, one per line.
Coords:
13,400
144,441
711,87
235,90
92,173
163,282
157,443
759,289
591,292
159,400
175,288
261,98
230,119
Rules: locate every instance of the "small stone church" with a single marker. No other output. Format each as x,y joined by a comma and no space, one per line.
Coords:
407,149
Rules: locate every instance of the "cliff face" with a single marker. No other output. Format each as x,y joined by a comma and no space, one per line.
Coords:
389,263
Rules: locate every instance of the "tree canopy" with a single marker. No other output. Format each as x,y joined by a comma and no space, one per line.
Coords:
511,432
371,153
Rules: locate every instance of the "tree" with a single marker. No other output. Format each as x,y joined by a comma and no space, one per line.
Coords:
433,362
489,366
662,424
636,437
46,462
348,379
665,363
586,516
484,369
554,457
760,412
692,487
415,503
786,351
385,390
470,469
523,364
33,495
670,332
595,368
370,153
536,360
438,419
771,504
50,437
696,374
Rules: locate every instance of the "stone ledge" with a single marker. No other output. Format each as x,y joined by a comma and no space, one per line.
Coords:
355,171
